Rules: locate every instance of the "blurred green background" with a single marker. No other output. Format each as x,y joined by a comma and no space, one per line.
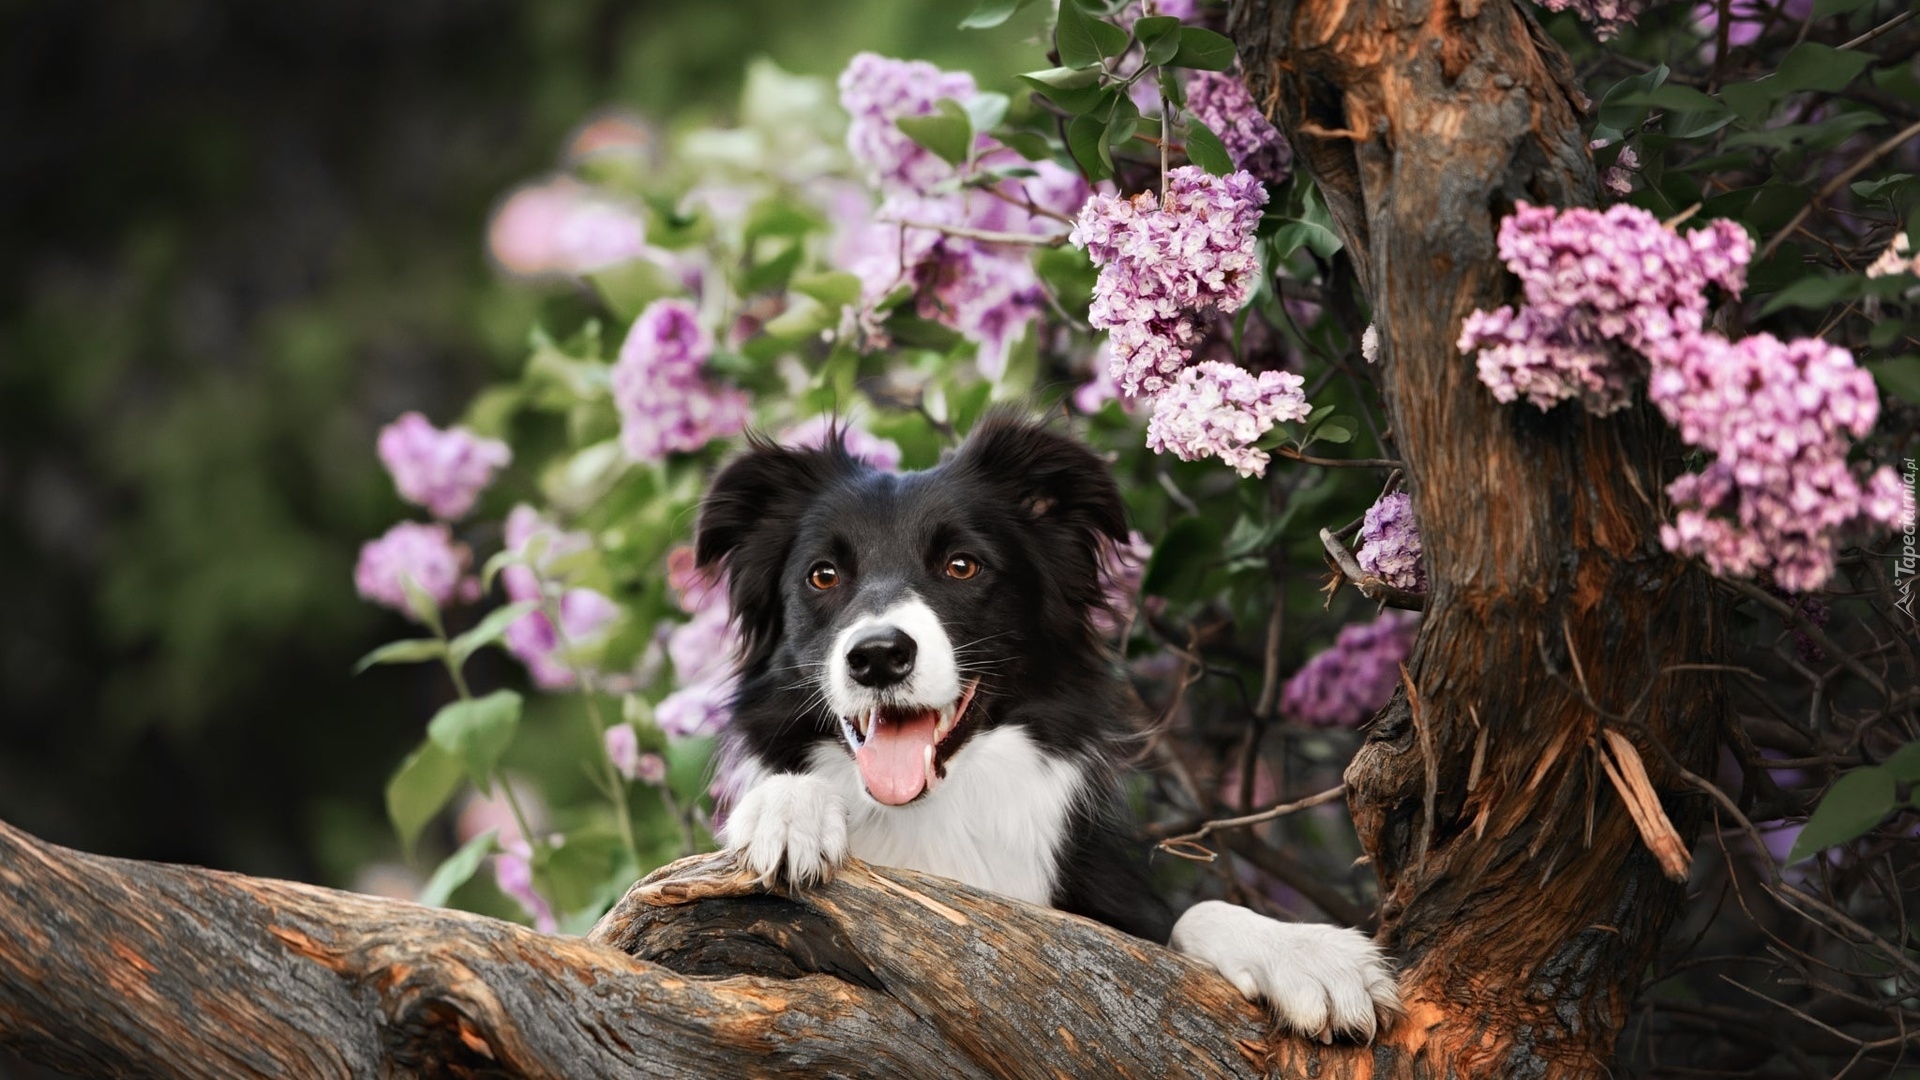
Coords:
238,238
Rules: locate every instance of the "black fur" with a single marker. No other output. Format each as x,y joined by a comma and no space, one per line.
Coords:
1034,507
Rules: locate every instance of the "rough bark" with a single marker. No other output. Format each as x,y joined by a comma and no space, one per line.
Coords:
120,968
1520,896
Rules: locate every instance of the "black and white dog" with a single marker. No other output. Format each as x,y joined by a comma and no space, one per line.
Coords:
921,686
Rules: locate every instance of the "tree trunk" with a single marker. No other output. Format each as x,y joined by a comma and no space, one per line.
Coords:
1561,644
121,968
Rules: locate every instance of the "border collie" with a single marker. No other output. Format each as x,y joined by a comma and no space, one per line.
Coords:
922,686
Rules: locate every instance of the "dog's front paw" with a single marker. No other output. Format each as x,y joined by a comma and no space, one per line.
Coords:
1317,980
790,829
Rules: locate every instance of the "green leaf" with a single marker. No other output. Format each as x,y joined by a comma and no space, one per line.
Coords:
1123,120
948,132
580,868
457,869
1203,49
1616,112
477,730
992,13
1904,764
986,109
1813,66
1871,189
489,630
1180,559
1334,429
1855,803
1079,100
1084,39
1815,292
1087,142
421,603
835,288
421,786
1029,144
412,651
1899,376
1205,149
1160,36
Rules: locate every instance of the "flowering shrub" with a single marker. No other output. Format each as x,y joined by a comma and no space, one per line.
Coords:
882,259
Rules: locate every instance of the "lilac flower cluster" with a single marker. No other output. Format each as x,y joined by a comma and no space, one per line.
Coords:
585,615
1220,100
444,471
877,92
426,554
513,874
986,290
702,650
666,402
1220,410
623,749
1390,543
1778,418
1595,281
1607,16
1610,295
1350,681
1159,265
1895,260
562,227
1618,179
1122,566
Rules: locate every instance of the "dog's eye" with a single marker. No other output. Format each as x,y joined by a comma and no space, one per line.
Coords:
962,567
823,576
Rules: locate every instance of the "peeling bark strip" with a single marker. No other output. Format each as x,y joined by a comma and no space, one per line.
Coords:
116,968
1526,924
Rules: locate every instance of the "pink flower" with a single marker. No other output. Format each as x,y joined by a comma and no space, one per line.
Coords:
513,873
1219,99
697,589
1160,265
585,615
650,768
426,554
1390,544
1349,682
444,471
562,227
1218,410
1121,568
877,92
665,400
623,749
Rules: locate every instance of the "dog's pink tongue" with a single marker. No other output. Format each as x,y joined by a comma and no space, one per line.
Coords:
894,760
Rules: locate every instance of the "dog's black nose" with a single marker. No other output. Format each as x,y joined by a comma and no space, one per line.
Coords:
882,658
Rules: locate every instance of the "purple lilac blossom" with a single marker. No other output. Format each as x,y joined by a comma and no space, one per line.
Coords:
1593,281
702,650
861,444
1390,544
444,471
563,227
1779,418
1121,568
513,873
877,92
427,554
623,749
1219,99
1894,259
696,588
1100,386
1607,16
666,402
650,768
1618,178
1350,681
1159,265
986,291
1219,410
584,614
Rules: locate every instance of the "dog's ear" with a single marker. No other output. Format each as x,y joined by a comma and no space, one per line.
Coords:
748,521
1054,479
1066,493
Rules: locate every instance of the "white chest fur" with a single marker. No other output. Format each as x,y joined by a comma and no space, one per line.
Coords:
997,821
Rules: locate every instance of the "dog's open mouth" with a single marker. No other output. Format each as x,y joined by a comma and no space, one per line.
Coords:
897,748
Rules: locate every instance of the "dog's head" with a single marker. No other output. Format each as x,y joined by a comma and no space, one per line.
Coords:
907,612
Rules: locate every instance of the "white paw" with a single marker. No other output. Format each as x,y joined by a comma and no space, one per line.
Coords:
1317,980
790,829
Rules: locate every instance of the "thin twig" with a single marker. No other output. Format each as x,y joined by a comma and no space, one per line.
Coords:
1192,839
985,236
1841,180
1337,463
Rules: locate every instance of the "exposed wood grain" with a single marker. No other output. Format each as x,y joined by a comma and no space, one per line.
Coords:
1424,122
